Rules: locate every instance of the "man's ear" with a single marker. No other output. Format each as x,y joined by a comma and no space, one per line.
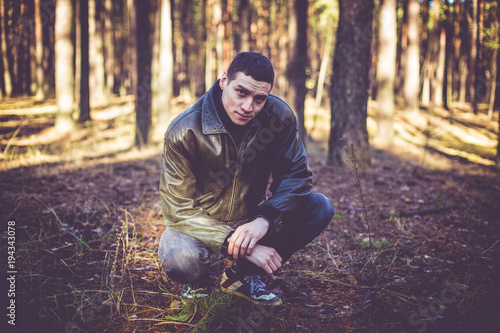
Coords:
223,81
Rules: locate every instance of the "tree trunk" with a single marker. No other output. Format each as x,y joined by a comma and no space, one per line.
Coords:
263,25
132,46
350,82
186,65
40,93
440,66
155,62
431,61
425,32
495,25
401,57
166,66
322,72
498,93
425,56
96,56
6,69
219,44
473,56
296,70
21,50
480,83
78,55
110,49
462,67
32,59
457,42
84,102
143,90
64,65
245,19
386,71
228,35
448,67
282,82
211,27
412,71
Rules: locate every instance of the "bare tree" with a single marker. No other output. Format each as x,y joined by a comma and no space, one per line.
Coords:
245,17
473,55
64,65
110,49
96,56
386,71
350,82
165,67
143,89
440,38
219,45
40,94
298,61
84,101
412,73
6,69
494,59
211,28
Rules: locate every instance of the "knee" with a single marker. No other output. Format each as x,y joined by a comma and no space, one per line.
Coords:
323,209
183,259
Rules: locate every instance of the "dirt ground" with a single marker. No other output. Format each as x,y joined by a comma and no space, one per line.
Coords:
414,247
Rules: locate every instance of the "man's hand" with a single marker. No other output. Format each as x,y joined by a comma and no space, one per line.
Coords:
245,237
266,258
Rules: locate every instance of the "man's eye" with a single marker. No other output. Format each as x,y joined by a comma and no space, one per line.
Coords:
260,99
241,92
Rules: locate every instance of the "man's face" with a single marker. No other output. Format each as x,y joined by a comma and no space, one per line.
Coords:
243,98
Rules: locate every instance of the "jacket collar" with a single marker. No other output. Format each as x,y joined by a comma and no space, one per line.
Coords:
210,120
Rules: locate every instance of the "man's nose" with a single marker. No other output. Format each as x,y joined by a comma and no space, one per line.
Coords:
247,105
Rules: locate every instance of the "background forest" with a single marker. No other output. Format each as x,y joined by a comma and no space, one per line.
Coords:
400,96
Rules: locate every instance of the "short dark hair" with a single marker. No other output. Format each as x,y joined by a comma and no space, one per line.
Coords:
252,64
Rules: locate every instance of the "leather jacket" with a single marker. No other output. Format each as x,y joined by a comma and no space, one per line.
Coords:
208,183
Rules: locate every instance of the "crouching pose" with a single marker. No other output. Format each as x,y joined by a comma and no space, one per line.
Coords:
218,157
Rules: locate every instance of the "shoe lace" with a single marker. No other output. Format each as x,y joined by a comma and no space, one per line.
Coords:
256,283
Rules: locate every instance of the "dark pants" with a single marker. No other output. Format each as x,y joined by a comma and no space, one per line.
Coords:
186,259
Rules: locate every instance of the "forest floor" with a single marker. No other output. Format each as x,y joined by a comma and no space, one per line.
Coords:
414,247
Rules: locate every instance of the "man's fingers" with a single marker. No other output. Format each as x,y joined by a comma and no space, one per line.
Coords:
236,249
230,245
268,270
277,263
244,248
251,246
279,258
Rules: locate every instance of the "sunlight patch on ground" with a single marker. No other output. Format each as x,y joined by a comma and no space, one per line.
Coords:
31,111
431,139
109,138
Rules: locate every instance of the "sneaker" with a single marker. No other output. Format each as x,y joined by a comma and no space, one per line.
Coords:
250,288
188,293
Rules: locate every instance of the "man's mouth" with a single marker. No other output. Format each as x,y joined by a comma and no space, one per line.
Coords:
243,116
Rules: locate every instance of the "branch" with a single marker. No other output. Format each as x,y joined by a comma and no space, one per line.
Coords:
418,212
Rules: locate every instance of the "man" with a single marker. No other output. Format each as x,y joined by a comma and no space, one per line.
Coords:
217,159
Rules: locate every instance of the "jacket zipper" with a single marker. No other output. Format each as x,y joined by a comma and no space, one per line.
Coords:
231,202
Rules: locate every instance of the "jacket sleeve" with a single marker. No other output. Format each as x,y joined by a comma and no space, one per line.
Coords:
292,177
181,211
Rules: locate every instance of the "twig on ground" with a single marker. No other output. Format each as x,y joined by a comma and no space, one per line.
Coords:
4,154
418,212
354,161
15,209
162,322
